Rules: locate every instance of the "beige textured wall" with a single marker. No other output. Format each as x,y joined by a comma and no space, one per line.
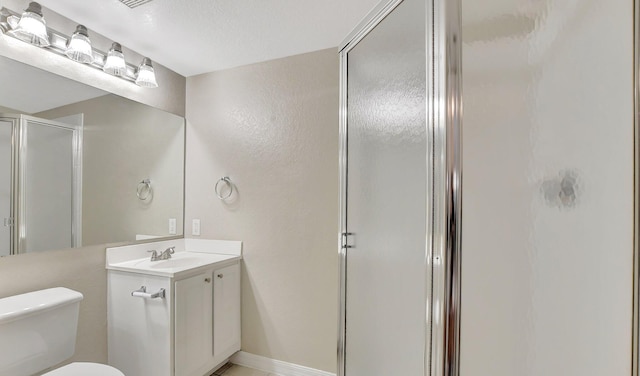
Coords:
9,110
80,269
170,96
273,128
123,143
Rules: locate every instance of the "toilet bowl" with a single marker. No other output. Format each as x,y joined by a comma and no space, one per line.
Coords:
38,331
85,369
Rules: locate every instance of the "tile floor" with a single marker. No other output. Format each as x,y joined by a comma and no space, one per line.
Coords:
235,370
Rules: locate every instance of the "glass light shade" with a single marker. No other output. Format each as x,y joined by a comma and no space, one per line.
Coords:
115,64
79,46
32,28
146,76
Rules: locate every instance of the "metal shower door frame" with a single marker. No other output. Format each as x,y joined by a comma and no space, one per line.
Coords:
444,155
635,349
19,156
15,181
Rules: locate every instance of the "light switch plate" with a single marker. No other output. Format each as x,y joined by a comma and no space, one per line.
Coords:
172,226
195,227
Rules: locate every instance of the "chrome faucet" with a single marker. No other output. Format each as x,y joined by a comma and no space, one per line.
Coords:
154,255
165,255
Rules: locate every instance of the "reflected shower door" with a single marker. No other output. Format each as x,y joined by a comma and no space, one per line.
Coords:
49,187
386,197
6,170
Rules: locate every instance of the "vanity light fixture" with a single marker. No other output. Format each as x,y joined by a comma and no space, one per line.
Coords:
115,64
30,27
79,46
146,76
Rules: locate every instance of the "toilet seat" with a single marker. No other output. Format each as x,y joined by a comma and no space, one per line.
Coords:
85,369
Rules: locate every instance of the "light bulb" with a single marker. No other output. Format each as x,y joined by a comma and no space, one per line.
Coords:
31,27
115,64
79,46
146,76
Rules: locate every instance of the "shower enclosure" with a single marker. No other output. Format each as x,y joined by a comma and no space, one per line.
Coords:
537,276
400,180
40,173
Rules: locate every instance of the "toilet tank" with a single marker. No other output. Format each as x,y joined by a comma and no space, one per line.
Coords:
37,330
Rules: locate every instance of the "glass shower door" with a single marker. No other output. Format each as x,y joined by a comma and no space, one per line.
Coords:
6,171
547,250
49,186
40,184
386,197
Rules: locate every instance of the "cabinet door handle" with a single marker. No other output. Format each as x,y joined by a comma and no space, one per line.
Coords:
220,275
208,280
142,293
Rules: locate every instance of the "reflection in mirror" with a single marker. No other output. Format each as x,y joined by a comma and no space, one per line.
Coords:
80,166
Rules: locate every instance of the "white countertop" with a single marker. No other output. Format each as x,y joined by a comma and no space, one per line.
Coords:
178,264
191,257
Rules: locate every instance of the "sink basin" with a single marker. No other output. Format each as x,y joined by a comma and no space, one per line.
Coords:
174,262
180,263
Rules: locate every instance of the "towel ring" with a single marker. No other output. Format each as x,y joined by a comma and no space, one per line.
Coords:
144,190
227,181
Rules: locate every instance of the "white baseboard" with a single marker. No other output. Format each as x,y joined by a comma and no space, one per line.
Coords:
279,367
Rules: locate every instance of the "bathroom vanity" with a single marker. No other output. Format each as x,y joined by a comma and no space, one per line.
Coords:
173,317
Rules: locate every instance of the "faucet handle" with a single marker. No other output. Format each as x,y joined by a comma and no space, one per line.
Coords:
154,254
166,254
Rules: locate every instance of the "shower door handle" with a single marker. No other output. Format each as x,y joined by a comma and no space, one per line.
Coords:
347,240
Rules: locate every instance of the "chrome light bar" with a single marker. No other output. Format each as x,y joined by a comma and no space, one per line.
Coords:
58,43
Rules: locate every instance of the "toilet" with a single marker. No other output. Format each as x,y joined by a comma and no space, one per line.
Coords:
38,331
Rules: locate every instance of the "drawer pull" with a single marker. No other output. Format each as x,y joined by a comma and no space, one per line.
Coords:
220,275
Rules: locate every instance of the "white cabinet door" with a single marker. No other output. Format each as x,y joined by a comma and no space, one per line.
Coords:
139,330
194,324
226,311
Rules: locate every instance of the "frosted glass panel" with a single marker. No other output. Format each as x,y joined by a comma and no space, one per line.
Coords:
386,204
49,187
547,252
5,186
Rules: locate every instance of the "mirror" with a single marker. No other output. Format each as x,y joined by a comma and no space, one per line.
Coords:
80,166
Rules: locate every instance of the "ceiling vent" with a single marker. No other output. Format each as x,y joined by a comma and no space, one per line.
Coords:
134,3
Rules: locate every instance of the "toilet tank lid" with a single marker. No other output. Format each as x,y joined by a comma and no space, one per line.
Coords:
31,303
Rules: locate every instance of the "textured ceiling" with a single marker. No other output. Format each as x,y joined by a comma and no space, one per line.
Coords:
199,36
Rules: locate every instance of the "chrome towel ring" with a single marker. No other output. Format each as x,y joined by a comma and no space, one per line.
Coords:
144,190
218,188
